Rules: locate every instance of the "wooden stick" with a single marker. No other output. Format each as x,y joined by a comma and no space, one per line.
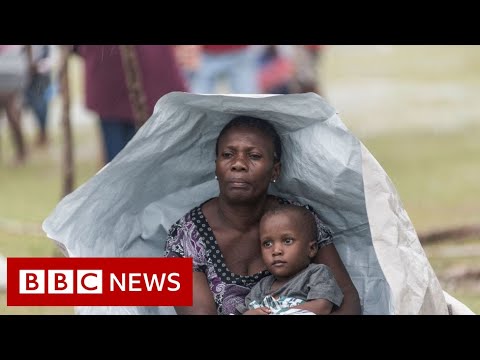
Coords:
68,163
133,78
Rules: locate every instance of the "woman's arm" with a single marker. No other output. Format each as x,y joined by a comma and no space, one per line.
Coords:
203,303
328,255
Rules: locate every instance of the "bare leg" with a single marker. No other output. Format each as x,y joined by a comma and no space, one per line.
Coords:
13,110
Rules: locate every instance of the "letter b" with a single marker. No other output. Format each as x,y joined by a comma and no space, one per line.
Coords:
32,281
60,281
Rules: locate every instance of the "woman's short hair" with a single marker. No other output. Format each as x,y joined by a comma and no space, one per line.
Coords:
252,122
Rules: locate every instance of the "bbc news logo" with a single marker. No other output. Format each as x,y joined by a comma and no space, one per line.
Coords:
99,282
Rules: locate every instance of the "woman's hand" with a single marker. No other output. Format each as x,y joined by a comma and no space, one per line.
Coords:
203,303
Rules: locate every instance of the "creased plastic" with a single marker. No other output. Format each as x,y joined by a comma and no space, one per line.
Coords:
168,168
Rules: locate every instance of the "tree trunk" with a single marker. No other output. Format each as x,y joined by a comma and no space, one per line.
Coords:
133,78
68,164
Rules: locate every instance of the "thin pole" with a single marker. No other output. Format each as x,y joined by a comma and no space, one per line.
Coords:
68,163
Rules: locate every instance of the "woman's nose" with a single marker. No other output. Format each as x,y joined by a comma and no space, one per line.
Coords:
239,164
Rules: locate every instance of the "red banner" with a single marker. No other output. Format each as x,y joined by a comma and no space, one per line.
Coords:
99,282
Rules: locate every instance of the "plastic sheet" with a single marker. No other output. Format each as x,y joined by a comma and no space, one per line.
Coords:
168,168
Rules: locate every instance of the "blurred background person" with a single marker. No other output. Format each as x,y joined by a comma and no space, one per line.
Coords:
306,60
40,89
275,69
236,65
107,87
188,58
13,79
289,69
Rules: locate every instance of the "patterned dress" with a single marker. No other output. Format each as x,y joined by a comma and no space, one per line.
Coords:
191,236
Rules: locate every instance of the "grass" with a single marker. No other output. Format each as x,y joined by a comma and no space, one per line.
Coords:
436,174
28,194
421,122
451,259
24,245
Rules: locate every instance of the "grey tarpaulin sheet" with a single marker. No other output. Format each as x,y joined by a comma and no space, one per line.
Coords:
168,168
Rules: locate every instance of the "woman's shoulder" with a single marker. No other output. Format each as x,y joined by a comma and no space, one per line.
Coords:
191,217
186,236
188,219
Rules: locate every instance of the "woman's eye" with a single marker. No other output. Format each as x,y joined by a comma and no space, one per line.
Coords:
255,156
227,155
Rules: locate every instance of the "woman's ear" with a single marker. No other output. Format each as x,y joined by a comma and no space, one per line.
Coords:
277,167
313,249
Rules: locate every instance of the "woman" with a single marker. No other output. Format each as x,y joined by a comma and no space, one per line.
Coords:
221,235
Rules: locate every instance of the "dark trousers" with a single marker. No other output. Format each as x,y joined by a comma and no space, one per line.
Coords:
115,136
38,97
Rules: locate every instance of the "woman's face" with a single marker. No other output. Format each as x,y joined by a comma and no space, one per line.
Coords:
245,165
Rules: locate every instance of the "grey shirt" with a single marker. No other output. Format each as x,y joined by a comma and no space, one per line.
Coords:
316,281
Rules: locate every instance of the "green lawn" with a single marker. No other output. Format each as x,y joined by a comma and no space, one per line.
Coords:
414,107
28,194
436,174
453,258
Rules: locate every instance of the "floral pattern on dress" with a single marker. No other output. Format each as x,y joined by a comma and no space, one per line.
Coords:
234,296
